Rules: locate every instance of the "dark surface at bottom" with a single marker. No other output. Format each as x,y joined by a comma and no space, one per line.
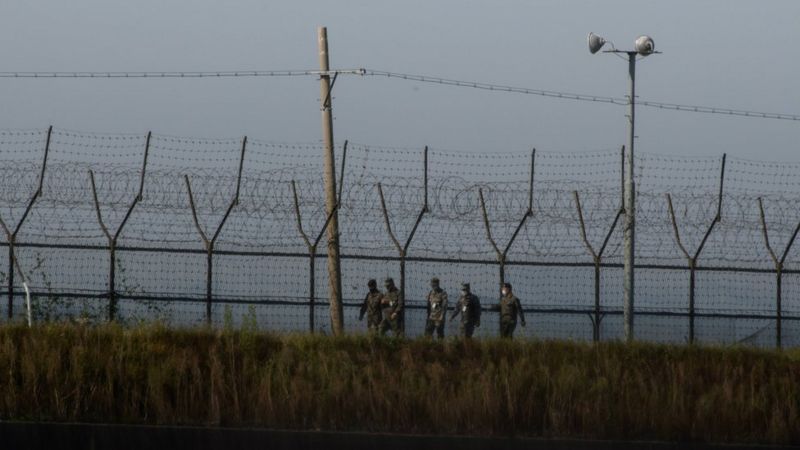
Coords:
55,436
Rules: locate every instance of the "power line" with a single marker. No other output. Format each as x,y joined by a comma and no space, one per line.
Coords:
498,87
715,110
290,73
410,77
583,97
217,74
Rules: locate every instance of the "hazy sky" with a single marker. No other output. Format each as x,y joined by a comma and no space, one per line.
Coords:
724,53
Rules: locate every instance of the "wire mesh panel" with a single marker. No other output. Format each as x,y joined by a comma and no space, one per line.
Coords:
611,302
262,316
661,290
271,292
156,272
747,295
737,331
176,311
66,283
790,301
791,332
736,293
660,328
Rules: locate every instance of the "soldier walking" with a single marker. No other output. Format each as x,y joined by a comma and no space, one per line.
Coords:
437,310
469,306
509,308
393,310
372,307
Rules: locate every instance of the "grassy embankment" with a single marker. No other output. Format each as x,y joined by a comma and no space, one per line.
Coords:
156,375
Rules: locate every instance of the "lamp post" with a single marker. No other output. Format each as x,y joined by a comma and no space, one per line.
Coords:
643,46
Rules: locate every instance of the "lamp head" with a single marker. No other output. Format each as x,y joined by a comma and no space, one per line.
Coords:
644,45
595,42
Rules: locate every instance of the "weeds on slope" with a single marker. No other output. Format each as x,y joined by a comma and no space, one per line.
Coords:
153,374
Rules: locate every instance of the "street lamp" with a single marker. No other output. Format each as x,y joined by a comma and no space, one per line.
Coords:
643,46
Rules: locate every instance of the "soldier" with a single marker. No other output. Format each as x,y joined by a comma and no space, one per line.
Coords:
437,310
509,308
393,310
469,306
372,306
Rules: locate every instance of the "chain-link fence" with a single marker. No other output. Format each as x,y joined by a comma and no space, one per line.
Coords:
152,227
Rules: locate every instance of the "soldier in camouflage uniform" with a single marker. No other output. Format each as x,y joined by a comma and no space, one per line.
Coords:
509,308
437,310
372,307
393,310
469,306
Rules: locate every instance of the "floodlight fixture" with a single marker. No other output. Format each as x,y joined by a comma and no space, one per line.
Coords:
644,45
595,42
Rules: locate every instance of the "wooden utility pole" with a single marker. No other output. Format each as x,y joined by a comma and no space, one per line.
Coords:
628,231
331,206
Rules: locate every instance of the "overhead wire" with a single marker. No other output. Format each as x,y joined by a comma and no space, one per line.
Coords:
411,77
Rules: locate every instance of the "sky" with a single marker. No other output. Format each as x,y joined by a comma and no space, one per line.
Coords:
724,53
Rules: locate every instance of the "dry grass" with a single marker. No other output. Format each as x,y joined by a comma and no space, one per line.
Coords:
61,372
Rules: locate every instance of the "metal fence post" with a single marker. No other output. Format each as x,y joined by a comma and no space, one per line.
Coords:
779,266
597,258
690,261
113,239
112,288
209,282
206,245
209,243
402,250
10,310
778,307
692,304
110,240
312,299
778,272
118,232
13,263
502,256
692,258
12,236
488,229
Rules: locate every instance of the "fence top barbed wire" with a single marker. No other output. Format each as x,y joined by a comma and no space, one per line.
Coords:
453,227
